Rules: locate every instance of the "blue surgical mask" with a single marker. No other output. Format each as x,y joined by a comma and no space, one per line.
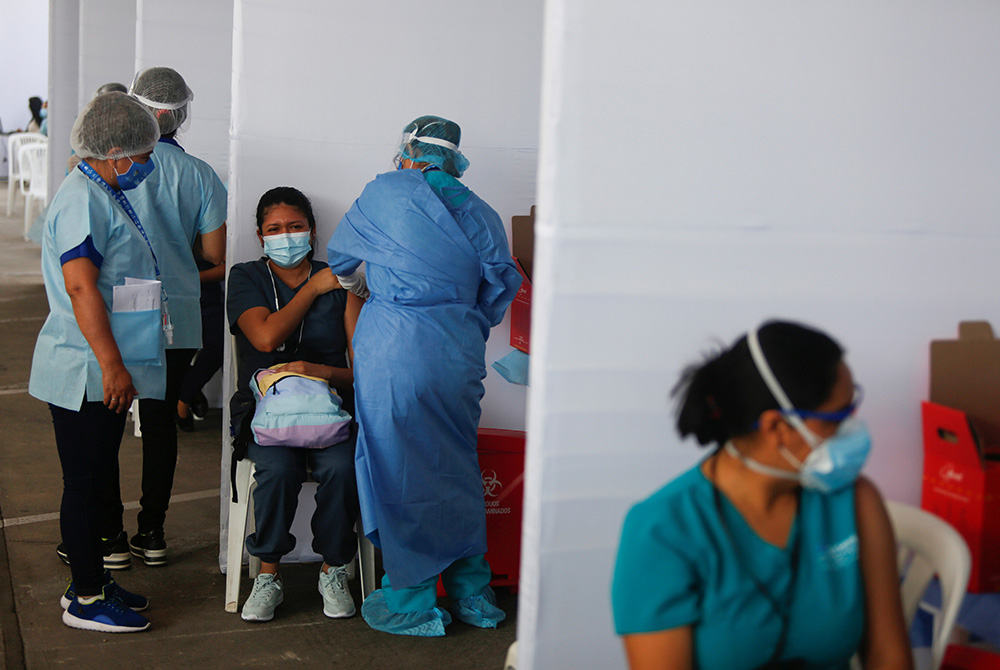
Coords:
43,113
836,461
831,465
288,249
136,173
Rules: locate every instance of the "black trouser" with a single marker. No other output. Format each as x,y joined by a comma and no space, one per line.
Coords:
88,443
157,420
209,360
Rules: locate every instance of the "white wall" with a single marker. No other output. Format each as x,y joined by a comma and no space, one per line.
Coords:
107,42
322,90
24,51
727,162
64,59
195,38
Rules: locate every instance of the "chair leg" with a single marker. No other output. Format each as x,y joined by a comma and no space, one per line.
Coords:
28,200
366,561
11,188
238,515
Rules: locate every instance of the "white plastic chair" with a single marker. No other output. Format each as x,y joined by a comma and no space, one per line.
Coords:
14,175
33,162
510,663
929,546
241,519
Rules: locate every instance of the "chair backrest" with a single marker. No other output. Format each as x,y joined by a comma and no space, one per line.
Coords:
14,142
929,546
33,159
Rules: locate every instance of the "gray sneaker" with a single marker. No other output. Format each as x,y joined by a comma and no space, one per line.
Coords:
267,594
337,600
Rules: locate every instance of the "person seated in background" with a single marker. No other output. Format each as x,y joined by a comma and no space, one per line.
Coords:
37,116
287,308
771,552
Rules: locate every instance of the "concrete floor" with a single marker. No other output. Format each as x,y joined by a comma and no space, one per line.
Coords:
190,627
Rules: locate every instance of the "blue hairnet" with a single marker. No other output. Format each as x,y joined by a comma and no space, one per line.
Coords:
431,139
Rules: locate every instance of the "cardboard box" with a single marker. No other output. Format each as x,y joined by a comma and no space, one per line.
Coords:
961,484
965,374
523,249
501,460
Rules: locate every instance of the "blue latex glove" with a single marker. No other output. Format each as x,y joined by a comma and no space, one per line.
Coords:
513,367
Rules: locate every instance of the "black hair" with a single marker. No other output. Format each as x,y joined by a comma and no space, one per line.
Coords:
35,105
284,195
724,396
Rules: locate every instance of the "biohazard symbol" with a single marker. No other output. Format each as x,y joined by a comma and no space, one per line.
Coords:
491,485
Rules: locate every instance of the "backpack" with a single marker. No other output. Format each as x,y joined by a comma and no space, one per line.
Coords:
295,410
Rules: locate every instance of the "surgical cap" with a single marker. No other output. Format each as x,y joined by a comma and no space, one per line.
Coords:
114,121
163,90
109,87
431,139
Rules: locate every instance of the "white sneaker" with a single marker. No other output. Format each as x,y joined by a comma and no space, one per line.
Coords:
267,594
337,600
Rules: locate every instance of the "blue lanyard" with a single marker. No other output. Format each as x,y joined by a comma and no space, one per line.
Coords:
168,326
126,205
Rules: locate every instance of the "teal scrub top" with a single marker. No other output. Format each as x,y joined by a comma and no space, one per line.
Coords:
676,567
64,369
181,199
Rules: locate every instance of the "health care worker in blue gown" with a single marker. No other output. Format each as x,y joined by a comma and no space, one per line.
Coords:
772,552
92,356
440,275
183,205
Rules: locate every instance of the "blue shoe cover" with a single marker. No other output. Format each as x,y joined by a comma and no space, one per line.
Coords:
428,623
481,610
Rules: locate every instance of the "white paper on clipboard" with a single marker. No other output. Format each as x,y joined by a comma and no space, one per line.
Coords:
137,295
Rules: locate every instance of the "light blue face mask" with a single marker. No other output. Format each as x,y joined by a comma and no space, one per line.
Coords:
832,463
288,249
43,113
135,175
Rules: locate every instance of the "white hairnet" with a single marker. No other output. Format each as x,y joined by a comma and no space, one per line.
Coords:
164,91
114,125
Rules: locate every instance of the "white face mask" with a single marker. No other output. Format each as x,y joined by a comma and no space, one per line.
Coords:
832,463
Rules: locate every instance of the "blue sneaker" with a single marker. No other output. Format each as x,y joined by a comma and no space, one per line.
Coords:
105,614
133,601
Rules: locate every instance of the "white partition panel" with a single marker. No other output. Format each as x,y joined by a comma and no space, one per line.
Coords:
104,23
196,39
64,59
708,164
322,90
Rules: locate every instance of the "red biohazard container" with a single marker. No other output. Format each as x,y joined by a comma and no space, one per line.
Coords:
501,460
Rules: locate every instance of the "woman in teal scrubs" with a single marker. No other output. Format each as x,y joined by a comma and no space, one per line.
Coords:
771,552
93,356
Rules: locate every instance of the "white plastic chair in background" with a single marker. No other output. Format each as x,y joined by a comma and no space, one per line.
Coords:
33,162
241,519
14,175
929,546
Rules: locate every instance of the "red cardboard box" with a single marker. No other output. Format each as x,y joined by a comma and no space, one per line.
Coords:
523,248
501,460
961,484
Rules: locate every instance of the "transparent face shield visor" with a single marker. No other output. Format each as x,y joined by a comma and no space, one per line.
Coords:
410,136
167,106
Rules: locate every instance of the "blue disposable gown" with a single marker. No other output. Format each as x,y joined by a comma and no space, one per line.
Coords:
440,278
